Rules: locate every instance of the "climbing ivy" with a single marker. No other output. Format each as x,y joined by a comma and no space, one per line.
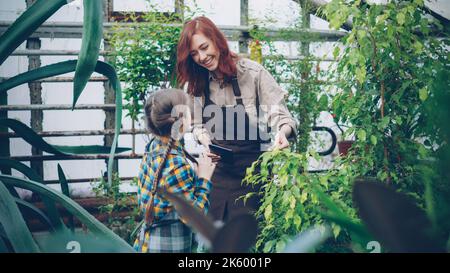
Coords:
390,60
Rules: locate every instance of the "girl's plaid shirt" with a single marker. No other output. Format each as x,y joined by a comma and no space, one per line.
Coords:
177,176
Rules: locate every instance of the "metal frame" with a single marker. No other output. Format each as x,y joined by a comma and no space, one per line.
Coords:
233,33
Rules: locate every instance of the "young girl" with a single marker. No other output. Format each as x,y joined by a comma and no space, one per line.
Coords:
164,165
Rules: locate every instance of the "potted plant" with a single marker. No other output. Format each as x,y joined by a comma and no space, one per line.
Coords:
343,145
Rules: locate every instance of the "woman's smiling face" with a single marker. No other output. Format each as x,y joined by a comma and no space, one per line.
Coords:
204,52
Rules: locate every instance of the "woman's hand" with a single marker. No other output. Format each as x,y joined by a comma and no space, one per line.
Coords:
205,167
281,141
215,158
205,142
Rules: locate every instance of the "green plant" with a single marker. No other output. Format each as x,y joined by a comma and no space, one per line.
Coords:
384,81
387,81
90,46
387,67
118,201
291,203
14,233
16,237
394,219
28,22
436,173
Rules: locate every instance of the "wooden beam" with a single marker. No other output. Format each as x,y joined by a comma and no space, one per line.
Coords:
42,107
51,52
243,41
37,115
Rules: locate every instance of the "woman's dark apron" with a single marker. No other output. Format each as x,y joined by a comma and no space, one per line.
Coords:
227,177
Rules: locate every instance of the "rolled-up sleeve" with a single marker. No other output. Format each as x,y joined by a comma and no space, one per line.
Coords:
272,99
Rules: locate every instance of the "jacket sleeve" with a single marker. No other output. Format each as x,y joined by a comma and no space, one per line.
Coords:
272,100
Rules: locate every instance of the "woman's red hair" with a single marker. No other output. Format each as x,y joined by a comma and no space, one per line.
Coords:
190,72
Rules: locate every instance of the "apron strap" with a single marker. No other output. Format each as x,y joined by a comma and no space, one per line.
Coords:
237,93
207,100
236,90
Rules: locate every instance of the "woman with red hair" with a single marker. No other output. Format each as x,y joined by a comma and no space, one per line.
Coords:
232,98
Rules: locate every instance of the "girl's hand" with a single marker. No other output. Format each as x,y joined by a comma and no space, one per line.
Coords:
205,167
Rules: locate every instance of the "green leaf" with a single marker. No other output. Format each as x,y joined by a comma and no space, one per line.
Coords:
381,18
361,134
94,226
281,245
373,139
323,102
268,246
292,202
90,45
328,202
400,18
304,197
52,212
69,66
33,209
26,24
361,34
65,190
353,57
297,221
14,225
268,212
384,122
37,74
289,214
423,94
360,74
423,152
358,231
418,47
336,52
336,230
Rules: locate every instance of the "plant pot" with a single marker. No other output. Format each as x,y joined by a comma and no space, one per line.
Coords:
344,146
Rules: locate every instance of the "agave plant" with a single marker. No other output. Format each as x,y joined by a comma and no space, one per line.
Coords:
86,64
15,235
